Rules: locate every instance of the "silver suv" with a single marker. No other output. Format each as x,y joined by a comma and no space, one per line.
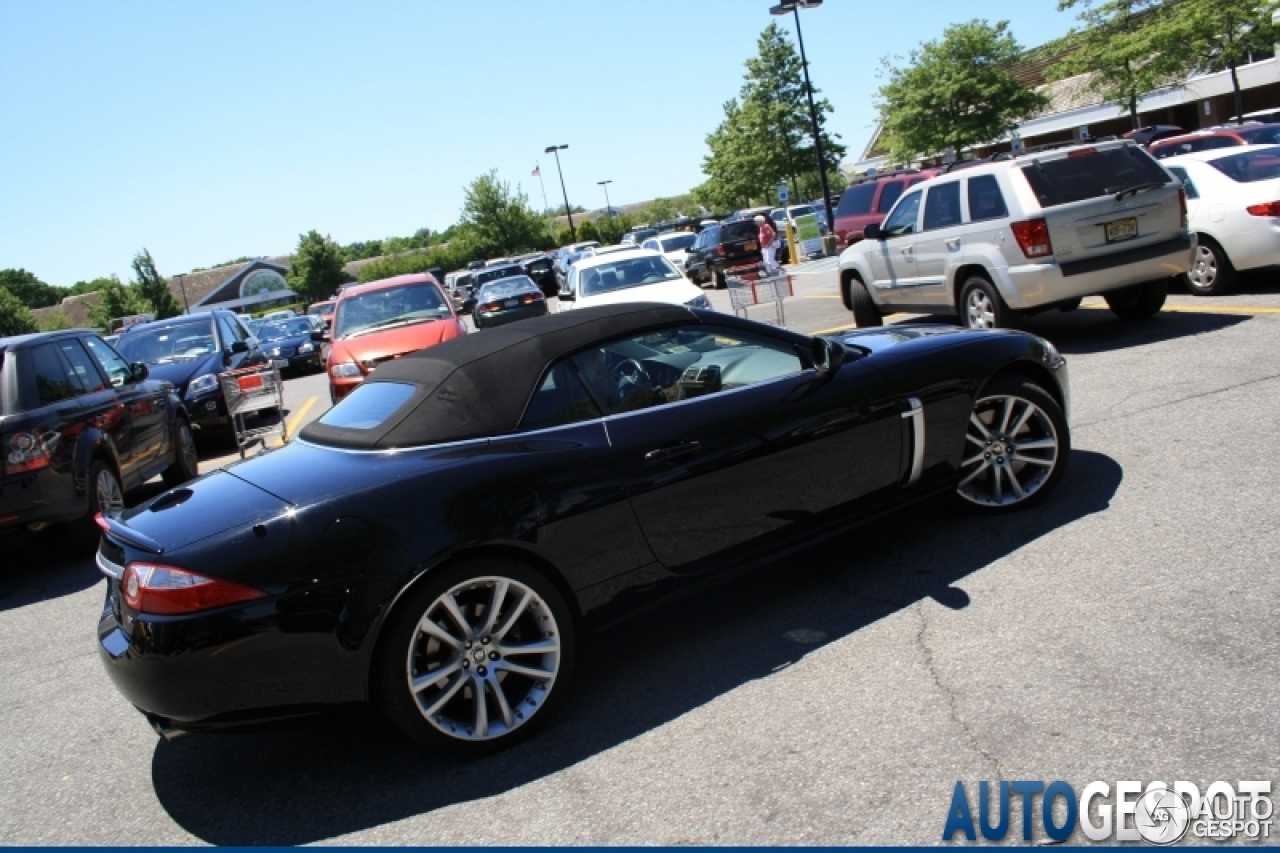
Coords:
1003,238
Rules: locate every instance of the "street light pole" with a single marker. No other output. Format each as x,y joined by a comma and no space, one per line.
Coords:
607,206
182,283
556,149
793,6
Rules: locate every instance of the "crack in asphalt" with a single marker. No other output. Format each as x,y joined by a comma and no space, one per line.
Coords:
953,711
1152,408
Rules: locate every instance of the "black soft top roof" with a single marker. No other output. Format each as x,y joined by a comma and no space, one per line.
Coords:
479,384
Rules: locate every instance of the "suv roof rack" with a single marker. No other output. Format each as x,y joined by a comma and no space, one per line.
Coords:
910,170
964,164
1051,146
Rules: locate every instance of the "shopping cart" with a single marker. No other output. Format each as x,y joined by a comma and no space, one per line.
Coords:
249,390
750,285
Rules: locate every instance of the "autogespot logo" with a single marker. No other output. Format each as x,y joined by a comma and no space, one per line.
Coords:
1158,814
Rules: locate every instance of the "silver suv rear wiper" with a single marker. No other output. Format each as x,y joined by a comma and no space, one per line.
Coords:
1134,190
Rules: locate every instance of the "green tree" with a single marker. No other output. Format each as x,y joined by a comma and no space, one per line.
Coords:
955,93
658,210
766,136
1219,35
316,269
117,300
91,286
29,290
153,287
1118,48
54,320
15,318
498,220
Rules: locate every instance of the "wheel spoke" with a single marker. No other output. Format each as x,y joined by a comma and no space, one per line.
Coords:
971,437
1022,421
1004,416
529,671
1013,481
422,682
997,487
973,460
1018,457
501,630
1036,444
430,628
504,707
982,428
495,603
482,707
986,463
538,647
449,693
450,604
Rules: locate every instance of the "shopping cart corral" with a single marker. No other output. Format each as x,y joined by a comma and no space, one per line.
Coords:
252,391
751,285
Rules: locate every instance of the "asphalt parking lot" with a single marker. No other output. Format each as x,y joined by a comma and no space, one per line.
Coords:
1124,629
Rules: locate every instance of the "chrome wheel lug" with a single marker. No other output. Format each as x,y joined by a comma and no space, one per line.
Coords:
493,655
482,670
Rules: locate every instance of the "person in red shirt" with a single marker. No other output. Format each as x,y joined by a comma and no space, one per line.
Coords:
768,237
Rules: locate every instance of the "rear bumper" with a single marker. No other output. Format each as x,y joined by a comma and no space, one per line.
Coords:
501,318
24,499
1033,285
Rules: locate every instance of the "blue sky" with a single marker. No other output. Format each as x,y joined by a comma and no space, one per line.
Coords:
205,131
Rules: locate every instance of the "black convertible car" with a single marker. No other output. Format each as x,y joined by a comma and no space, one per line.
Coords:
441,541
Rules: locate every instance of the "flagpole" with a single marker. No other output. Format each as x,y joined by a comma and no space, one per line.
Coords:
537,167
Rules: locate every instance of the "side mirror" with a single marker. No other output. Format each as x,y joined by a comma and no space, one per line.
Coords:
874,232
567,295
827,356
320,335
139,371
239,346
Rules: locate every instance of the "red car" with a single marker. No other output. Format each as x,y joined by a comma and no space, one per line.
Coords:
868,203
1227,137
382,320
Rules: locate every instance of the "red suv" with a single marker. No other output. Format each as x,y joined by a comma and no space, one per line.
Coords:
1227,137
868,203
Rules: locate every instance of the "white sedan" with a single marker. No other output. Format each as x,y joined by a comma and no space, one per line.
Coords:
1233,205
636,275
674,244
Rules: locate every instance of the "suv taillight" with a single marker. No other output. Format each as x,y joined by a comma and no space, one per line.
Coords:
25,452
1270,208
1033,238
720,250
164,590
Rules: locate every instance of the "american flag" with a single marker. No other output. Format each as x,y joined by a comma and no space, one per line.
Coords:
537,172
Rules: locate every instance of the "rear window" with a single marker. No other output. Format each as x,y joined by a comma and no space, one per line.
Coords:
744,230
370,405
892,192
856,200
1250,166
1091,173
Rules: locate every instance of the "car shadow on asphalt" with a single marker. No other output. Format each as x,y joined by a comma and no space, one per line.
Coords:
341,774
1086,331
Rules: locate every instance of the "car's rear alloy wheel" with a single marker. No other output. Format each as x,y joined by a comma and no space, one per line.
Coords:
478,656
1016,446
981,306
185,463
1211,273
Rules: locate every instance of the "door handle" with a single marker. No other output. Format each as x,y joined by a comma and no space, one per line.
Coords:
953,243
908,250
671,452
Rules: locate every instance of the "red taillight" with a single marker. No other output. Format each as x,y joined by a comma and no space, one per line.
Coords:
720,251
530,298
1182,204
1270,208
490,306
100,520
166,591
1033,238
25,452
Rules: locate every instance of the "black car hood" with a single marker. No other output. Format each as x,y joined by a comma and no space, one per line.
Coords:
886,337
182,372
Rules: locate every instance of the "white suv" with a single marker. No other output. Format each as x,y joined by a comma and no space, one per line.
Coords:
998,239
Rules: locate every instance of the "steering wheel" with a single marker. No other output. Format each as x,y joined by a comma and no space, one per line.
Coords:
630,372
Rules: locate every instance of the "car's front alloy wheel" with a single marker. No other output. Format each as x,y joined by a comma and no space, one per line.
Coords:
477,657
1016,446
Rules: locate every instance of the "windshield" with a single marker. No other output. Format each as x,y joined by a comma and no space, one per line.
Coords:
633,272
389,306
1250,166
1265,135
288,329
676,242
507,287
171,343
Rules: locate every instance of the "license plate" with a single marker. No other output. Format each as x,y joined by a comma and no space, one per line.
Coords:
510,303
1121,229
751,247
279,362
